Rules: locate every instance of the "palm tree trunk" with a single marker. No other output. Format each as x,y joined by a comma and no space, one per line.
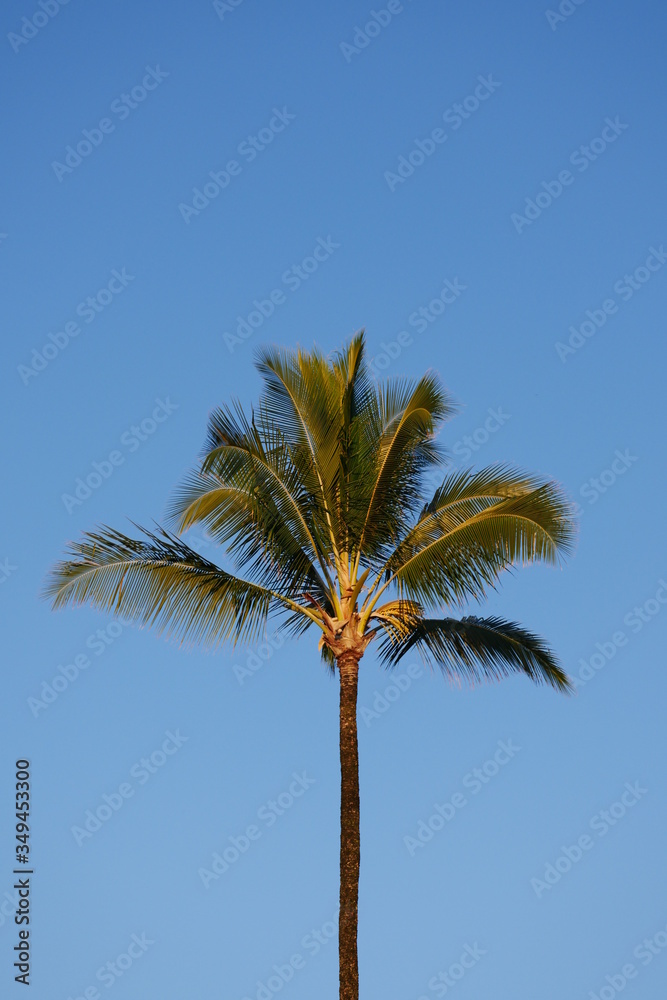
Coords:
348,668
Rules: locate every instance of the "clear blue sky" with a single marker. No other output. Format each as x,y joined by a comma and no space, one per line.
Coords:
519,157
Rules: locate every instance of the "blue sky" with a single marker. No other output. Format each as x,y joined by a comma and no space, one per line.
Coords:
481,188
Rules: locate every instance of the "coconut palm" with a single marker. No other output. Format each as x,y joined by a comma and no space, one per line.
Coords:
317,497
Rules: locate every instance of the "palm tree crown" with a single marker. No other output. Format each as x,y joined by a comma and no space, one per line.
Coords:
318,498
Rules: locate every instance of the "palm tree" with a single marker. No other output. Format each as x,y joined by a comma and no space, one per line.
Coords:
317,497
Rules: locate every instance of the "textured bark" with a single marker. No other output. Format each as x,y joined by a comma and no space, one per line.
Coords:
348,668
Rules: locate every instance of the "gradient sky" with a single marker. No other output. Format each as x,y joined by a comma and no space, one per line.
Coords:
541,202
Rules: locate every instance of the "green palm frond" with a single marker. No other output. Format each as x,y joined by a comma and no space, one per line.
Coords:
477,525
474,649
357,391
357,397
249,497
399,448
301,401
159,581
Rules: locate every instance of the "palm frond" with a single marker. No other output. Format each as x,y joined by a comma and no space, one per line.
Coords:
250,497
399,446
398,618
474,649
328,658
477,525
159,581
301,400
